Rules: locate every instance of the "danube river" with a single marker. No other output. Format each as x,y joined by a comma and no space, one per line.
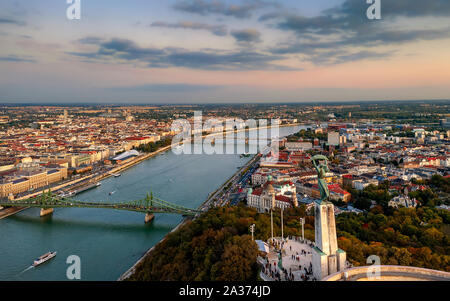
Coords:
109,242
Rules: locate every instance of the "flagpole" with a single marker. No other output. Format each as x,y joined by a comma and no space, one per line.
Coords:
271,222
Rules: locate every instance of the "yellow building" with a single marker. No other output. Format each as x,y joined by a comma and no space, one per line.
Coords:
32,180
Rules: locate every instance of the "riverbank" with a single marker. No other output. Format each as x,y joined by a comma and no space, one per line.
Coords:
131,270
139,159
4,213
185,180
205,205
144,157
92,179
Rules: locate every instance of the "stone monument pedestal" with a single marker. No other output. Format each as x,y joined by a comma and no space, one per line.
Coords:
327,257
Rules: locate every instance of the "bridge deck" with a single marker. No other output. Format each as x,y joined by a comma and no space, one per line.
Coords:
148,205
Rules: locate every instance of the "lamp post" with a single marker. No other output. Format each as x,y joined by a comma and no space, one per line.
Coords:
302,222
271,222
252,229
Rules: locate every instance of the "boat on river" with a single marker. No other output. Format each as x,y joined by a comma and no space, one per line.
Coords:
44,258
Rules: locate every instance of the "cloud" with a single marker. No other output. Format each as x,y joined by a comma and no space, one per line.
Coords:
218,30
338,29
361,55
235,60
6,20
370,39
207,59
87,55
90,40
128,50
203,7
392,8
247,35
351,16
173,88
15,58
331,57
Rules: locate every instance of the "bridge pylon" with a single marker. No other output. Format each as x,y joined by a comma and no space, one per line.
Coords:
46,211
45,197
149,217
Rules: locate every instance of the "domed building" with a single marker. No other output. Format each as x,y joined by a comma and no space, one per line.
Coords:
273,195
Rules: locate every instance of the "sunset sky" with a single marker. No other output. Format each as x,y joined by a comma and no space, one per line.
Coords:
189,51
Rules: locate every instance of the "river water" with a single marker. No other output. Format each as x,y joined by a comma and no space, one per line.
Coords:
109,242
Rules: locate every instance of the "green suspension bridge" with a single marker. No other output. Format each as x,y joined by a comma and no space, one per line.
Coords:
149,205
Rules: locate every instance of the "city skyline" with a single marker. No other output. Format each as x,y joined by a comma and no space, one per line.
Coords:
70,175
198,51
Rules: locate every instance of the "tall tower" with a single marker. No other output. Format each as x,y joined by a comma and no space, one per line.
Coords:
271,192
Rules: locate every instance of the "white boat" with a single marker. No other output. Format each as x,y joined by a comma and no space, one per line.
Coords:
66,194
116,175
44,258
112,192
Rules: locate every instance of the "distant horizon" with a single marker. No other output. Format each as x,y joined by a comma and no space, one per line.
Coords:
222,103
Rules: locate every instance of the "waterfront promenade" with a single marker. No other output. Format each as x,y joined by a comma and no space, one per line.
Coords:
81,182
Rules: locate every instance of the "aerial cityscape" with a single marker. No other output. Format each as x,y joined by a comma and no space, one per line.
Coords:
195,140
385,178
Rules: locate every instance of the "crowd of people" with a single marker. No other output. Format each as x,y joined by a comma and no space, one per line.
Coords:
272,271
298,268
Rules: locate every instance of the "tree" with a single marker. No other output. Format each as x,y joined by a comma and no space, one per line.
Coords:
402,256
215,246
407,236
426,197
237,261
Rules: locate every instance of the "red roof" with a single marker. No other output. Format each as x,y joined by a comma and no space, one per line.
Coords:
334,188
135,138
282,198
257,191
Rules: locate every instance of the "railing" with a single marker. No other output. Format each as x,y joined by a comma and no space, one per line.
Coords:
147,205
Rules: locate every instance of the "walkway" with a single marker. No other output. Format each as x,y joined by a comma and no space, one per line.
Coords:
296,260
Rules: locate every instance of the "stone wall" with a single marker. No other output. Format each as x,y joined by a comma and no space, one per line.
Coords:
390,272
